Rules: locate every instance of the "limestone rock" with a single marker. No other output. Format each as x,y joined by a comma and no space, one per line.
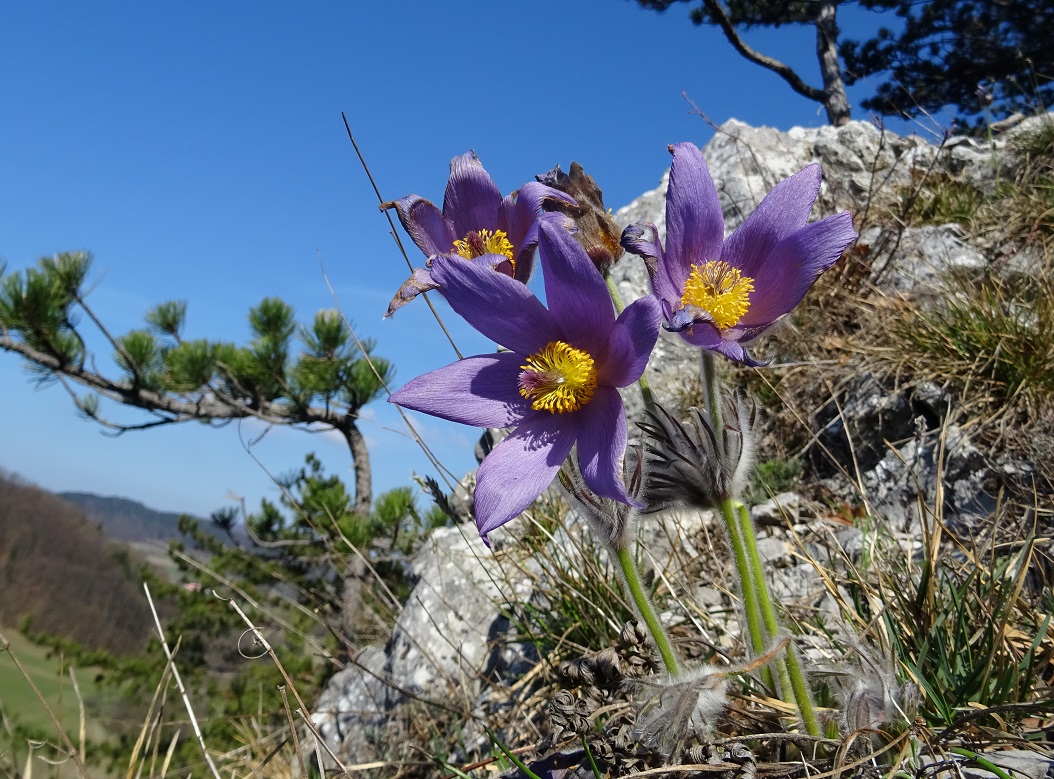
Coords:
443,643
921,260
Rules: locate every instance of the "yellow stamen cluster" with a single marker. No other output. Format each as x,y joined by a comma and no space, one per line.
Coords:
477,243
720,290
558,378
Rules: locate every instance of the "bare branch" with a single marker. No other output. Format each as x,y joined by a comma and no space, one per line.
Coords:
117,345
784,71
179,683
116,427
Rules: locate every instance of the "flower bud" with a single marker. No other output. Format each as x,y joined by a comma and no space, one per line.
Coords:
597,231
688,464
680,708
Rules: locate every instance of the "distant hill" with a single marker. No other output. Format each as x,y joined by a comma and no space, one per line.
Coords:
122,519
58,571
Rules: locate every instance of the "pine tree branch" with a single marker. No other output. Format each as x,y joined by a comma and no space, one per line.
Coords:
215,408
117,345
720,15
116,427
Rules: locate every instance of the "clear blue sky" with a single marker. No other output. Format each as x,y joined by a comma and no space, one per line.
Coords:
197,150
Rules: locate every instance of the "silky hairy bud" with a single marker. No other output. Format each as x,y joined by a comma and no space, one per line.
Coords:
680,708
688,464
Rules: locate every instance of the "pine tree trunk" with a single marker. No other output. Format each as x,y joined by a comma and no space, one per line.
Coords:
360,456
356,575
834,101
351,616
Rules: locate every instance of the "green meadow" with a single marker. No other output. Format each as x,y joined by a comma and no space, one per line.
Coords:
21,707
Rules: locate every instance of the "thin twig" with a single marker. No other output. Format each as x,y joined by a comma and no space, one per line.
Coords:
271,614
292,729
395,234
81,735
5,646
258,636
179,684
450,478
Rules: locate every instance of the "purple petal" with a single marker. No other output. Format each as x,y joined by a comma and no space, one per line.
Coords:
574,289
481,391
642,239
526,254
629,346
602,444
734,351
701,334
420,281
502,309
519,468
472,198
783,211
695,224
522,208
708,337
793,266
747,334
492,262
425,225
518,216
679,319
669,311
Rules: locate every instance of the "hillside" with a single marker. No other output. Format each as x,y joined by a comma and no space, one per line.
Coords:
58,570
122,519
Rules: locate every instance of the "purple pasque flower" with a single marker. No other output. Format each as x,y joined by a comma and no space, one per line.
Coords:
720,293
556,386
476,224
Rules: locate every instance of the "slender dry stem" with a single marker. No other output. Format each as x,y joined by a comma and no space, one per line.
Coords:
179,684
76,756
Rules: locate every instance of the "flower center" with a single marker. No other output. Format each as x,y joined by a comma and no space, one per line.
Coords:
558,378
477,243
720,290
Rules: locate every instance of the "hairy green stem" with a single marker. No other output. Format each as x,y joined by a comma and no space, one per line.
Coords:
788,668
616,298
750,545
801,692
746,581
646,609
629,567
760,586
712,389
757,603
